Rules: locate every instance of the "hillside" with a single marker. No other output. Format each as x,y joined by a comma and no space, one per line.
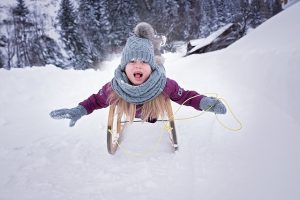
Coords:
42,158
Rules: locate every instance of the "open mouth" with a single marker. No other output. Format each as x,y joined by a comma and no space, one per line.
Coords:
138,75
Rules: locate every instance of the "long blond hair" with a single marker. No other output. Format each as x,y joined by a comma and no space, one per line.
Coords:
153,109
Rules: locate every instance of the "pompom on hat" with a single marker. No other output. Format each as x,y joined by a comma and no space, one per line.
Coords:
139,46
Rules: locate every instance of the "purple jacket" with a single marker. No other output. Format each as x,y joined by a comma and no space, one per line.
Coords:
171,90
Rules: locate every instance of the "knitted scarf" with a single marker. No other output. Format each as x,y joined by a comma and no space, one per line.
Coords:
139,94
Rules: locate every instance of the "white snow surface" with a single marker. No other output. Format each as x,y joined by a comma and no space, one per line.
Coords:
42,158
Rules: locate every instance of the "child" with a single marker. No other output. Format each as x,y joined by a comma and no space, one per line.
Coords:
139,87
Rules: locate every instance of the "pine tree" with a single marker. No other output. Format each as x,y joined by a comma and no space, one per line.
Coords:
70,35
36,50
234,8
45,50
22,27
123,18
193,19
256,10
184,29
1,60
95,27
225,11
165,16
207,17
274,7
221,12
88,26
9,42
103,25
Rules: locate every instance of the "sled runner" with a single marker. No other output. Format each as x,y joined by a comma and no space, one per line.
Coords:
115,127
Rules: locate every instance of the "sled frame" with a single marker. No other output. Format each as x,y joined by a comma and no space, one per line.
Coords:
115,127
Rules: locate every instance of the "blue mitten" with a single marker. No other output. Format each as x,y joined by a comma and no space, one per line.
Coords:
212,104
73,114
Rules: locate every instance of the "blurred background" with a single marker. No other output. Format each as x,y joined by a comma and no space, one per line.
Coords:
81,34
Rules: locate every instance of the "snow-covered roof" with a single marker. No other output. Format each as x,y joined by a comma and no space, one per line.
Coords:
199,43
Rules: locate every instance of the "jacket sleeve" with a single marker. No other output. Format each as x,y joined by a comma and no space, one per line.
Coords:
180,95
99,100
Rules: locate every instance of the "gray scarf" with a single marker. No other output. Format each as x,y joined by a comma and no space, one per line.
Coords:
141,93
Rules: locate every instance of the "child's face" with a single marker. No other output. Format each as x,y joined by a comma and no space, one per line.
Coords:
137,71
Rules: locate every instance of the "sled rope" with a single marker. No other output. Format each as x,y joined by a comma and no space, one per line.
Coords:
168,128
220,122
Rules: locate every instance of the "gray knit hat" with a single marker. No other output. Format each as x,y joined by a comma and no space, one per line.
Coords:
140,46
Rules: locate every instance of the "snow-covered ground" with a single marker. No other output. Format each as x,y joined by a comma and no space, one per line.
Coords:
42,158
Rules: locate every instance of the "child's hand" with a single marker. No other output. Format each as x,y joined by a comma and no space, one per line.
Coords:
212,104
74,114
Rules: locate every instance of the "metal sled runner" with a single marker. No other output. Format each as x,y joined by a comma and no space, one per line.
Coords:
115,127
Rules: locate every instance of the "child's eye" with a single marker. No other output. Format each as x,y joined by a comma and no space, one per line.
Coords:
132,61
144,61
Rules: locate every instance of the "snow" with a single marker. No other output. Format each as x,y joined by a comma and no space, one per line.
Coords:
42,158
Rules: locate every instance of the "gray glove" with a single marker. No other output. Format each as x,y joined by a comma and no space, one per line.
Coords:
212,104
73,114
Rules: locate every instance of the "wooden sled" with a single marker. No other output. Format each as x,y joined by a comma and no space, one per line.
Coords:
115,128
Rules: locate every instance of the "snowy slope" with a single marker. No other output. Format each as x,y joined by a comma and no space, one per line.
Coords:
42,158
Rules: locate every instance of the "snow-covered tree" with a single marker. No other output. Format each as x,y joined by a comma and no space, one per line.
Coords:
165,16
208,19
36,50
225,11
256,9
103,24
95,27
9,42
88,26
274,6
22,25
123,18
221,11
1,60
74,45
185,24
44,50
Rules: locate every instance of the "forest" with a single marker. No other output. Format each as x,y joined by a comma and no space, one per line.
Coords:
89,31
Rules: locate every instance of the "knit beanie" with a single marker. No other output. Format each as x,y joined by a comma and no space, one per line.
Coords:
139,47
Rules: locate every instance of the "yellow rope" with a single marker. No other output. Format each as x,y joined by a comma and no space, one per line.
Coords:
233,115
168,128
204,111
